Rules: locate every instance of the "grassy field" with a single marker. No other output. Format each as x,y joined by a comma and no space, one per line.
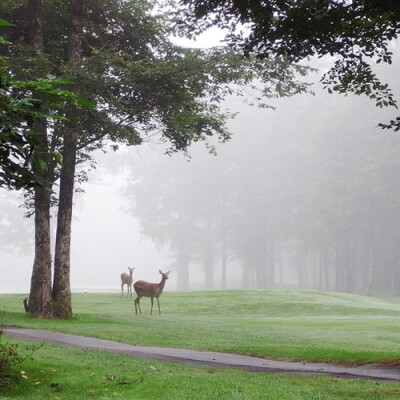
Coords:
295,325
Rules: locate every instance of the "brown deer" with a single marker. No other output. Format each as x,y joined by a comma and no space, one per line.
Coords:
127,280
151,290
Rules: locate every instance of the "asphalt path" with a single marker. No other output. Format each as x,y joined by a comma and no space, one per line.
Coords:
206,358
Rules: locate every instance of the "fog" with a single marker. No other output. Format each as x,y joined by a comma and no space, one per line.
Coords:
303,196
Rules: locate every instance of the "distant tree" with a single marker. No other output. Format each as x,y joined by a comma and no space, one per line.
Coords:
311,204
348,218
211,212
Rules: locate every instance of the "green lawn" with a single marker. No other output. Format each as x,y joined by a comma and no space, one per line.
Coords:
312,326
295,325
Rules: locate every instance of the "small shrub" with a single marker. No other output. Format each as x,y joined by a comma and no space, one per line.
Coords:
9,359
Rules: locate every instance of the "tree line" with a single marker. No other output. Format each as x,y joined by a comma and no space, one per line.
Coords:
312,205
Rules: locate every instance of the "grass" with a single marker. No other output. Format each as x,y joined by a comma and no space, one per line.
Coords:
295,325
68,374
312,326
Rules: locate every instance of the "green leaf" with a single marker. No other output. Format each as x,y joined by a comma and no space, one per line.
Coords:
5,23
3,41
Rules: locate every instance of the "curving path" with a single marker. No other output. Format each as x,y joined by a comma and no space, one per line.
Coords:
206,358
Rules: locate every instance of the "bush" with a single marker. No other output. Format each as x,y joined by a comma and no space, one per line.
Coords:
9,359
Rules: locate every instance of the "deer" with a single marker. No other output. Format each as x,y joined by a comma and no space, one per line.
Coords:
146,289
127,280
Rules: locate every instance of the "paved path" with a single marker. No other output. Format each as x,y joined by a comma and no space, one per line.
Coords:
206,358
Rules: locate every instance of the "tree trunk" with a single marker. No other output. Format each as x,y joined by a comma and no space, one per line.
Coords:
40,300
246,279
62,264
209,257
350,264
323,277
221,213
183,267
35,25
394,264
301,266
270,259
61,287
371,272
279,264
371,252
223,262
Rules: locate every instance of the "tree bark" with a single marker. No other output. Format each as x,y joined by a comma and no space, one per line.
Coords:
40,300
35,31
62,259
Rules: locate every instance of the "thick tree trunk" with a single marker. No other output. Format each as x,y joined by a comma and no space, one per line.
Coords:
40,300
61,287
35,25
62,261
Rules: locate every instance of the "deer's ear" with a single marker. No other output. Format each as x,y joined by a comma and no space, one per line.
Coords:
160,271
167,273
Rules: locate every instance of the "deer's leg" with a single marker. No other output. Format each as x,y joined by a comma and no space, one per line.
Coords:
151,311
122,290
158,303
137,305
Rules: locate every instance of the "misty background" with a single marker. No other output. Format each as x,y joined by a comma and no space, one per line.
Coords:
303,196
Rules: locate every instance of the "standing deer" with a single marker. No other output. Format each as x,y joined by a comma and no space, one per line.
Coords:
151,290
127,280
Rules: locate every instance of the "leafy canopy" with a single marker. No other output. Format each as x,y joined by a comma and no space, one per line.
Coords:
358,32
20,108
144,86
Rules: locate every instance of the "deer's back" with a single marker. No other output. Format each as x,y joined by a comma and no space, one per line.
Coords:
147,289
